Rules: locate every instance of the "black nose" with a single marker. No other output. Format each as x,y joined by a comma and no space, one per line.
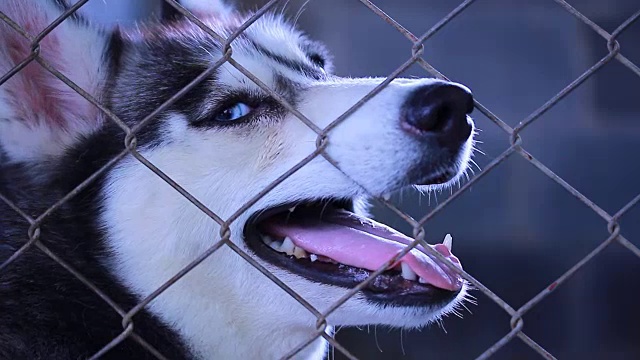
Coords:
440,110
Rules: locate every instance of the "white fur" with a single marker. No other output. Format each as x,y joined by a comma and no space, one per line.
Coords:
217,7
225,308
27,134
220,306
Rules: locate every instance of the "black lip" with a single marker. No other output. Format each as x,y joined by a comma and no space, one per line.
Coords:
438,179
388,288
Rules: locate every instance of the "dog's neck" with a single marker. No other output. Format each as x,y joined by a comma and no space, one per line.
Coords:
215,321
218,307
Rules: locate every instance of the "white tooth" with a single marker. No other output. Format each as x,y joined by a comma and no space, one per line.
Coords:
287,246
408,273
276,245
267,239
386,196
422,281
313,257
292,209
448,240
299,252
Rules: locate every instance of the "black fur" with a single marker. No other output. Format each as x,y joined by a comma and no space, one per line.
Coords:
298,66
45,312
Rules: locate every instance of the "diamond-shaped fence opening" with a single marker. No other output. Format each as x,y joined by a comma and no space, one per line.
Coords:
415,56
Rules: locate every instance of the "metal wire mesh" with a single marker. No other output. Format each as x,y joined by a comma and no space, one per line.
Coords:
416,46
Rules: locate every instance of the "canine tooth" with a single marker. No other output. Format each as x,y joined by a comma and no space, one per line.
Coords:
448,240
292,209
408,273
287,246
313,257
386,196
422,281
267,239
299,252
276,245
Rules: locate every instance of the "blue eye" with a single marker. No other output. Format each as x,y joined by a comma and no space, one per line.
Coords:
233,112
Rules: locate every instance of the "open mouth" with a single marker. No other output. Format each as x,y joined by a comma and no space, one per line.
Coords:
326,242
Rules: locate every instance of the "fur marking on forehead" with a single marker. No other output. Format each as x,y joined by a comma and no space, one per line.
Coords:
269,38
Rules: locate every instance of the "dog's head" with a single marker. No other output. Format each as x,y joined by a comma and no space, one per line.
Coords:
226,141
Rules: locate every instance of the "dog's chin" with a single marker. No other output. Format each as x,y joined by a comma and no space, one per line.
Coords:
402,317
360,311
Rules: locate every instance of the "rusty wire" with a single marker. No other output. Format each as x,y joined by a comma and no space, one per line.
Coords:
416,48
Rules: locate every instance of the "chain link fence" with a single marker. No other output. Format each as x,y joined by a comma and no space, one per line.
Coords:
415,48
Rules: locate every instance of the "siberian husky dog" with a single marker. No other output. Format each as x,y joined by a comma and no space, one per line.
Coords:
128,231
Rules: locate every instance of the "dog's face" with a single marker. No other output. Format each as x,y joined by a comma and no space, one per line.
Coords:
227,140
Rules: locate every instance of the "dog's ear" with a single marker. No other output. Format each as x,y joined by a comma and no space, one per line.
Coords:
39,114
218,8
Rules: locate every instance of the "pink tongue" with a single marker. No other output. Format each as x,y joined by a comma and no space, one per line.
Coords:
361,242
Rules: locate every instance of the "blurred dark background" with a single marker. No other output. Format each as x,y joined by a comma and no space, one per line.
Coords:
515,230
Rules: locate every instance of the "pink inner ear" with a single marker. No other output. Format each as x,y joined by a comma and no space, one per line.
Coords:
32,88
36,95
